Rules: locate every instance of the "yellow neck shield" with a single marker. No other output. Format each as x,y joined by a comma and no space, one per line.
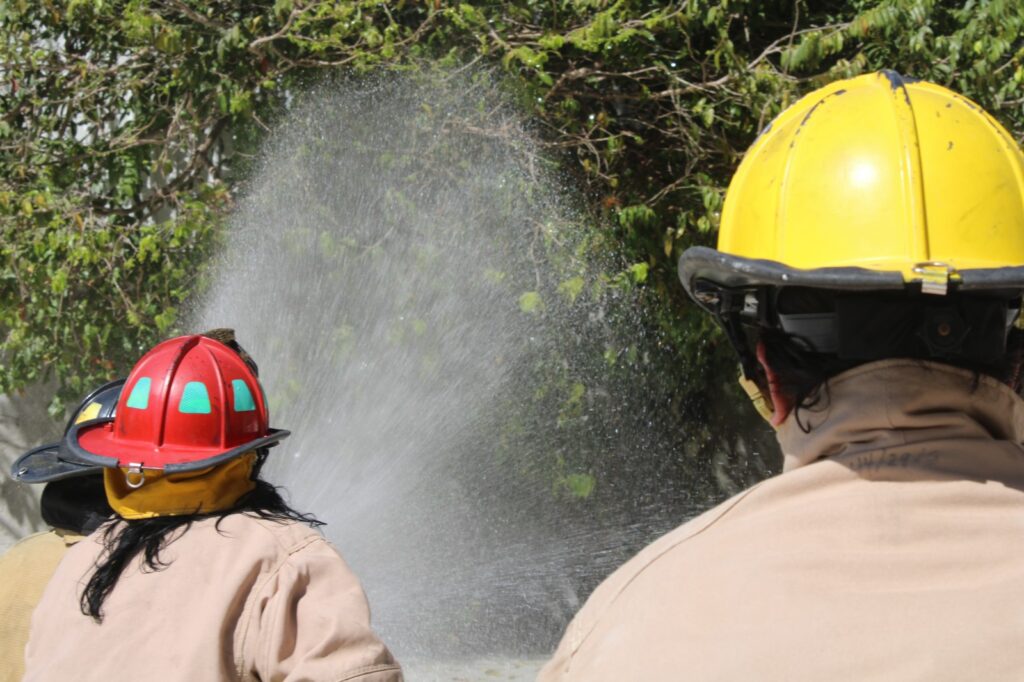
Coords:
195,492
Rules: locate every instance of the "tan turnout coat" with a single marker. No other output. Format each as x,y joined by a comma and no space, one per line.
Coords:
891,548
256,600
24,572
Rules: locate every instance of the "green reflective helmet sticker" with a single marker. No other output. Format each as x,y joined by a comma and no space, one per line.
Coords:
243,397
194,399
139,398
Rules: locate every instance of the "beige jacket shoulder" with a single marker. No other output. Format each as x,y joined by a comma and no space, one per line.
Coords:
891,548
250,600
24,571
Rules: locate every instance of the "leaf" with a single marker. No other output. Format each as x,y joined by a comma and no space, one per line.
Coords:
551,41
707,116
165,319
580,486
531,302
148,247
637,217
282,8
526,56
571,288
639,272
59,282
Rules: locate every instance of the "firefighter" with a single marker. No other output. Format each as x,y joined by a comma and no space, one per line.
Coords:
205,573
73,505
869,273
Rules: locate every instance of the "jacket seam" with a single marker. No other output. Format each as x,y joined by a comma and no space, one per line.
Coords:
246,615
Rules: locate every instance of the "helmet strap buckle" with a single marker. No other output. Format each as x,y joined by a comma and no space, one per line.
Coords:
134,470
935,277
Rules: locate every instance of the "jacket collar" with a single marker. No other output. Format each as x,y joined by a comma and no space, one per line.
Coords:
893,403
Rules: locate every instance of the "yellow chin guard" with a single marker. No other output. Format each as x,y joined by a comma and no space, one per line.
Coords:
762,403
146,493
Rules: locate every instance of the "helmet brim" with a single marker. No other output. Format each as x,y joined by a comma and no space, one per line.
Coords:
46,463
726,270
87,441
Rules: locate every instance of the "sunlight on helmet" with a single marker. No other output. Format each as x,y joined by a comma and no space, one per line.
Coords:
863,174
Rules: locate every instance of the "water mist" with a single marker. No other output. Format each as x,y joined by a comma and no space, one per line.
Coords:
376,268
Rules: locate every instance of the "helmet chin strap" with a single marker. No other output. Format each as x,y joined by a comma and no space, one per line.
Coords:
749,368
762,402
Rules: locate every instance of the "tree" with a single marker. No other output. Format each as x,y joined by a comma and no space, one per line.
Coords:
128,127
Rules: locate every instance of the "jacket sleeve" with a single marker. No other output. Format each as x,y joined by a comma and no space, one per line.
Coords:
310,621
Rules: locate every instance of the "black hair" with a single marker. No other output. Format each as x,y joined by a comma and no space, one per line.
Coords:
802,373
125,539
77,504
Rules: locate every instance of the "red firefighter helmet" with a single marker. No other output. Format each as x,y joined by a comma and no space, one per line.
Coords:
189,403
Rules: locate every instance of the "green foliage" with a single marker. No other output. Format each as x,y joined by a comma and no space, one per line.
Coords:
128,126
658,101
579,486
531,302
126,129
